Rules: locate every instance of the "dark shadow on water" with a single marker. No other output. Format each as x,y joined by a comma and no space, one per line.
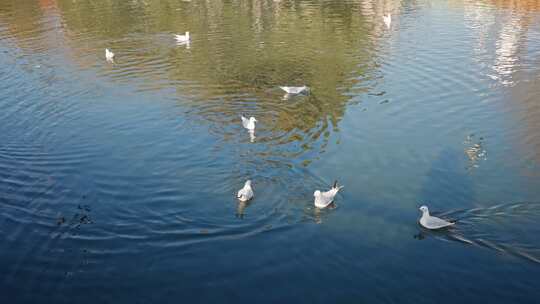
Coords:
314,214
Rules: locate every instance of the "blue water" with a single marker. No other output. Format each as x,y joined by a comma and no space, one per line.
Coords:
118,180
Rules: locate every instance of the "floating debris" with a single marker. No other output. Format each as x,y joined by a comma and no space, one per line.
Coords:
60,220
81,217
475,151
84,207
377,94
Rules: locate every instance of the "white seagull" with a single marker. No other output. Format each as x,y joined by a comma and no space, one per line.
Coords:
432,222
109,55
182,38
324,199
387,20
294,90
246,193
249,123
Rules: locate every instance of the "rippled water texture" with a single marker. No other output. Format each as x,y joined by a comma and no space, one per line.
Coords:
118,179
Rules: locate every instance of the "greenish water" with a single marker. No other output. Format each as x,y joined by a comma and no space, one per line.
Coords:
118,180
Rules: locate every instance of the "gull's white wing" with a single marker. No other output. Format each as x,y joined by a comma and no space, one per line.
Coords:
322,201
249,193
434,222
240,193
245,193
301,89
330,194
180,38
286,89
108,54
326,198
245,121
294,90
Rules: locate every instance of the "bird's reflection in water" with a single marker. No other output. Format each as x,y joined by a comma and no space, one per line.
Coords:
319,213
288,96
186,44
251,135
419,236
445,234
240,209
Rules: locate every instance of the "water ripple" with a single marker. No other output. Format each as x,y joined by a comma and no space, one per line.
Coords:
492,228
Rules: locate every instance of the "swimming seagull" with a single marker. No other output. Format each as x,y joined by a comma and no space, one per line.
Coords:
387,20
432,222
182,38
248,123
109,55
246,193
294,90
324,199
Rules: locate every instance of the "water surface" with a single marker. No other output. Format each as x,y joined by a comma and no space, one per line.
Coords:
118,180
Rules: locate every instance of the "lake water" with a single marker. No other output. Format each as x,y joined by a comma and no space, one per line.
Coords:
118,180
